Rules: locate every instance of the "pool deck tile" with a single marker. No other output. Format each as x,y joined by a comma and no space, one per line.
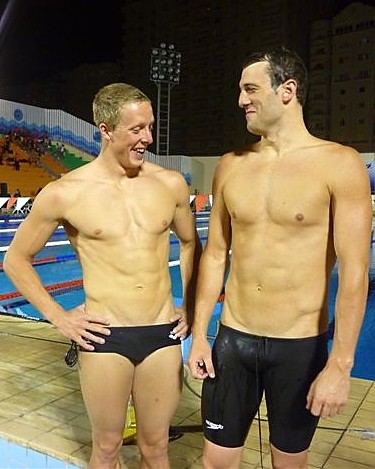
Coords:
42,409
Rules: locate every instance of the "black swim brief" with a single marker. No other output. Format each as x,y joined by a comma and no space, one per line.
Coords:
246,366
137,342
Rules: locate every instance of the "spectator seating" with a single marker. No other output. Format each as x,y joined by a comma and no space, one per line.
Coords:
28,180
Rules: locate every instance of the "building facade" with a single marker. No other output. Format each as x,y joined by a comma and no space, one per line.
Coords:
341,103
214,39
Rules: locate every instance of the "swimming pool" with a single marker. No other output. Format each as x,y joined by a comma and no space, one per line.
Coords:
16,456
59,269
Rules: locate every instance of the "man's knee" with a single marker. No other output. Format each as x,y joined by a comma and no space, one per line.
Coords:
282,460
107,446
153,447
219,457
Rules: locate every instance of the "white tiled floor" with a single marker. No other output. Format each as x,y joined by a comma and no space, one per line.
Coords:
41,408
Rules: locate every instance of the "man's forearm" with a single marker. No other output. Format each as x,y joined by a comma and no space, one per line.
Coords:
28,283
190,254
210,283
349,314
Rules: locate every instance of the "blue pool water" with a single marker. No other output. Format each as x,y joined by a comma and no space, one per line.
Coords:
15,456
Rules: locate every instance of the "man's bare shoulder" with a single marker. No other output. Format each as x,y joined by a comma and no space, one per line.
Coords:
328,148
231,160
85,172
55,195
335,156
63,191
168,176
241,154
341,165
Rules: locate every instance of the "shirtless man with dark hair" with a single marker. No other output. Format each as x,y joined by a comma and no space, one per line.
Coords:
288,207
118,211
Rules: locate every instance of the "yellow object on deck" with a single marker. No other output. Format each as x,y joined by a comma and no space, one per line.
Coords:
130,430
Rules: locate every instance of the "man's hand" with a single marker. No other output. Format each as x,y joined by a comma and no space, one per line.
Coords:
329,392
79,326
200,361
181,329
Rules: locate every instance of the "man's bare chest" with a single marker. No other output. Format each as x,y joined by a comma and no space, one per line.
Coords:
286,197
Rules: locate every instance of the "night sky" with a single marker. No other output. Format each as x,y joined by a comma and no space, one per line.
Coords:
39,38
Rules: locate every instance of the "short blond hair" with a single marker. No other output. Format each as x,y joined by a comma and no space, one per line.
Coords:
109,101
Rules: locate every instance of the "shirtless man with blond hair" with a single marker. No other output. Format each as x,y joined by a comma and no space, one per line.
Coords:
118,211
288,207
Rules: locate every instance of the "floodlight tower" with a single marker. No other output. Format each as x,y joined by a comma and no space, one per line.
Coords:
165,73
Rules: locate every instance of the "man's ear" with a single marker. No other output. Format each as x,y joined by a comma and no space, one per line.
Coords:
288,90
105,133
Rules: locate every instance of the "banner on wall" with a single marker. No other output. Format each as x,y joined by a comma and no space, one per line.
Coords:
200,201
17,203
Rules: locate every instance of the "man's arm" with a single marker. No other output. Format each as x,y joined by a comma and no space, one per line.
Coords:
30,238
352,220
190,247
212,268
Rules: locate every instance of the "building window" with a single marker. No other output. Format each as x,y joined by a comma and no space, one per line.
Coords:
363,56
364,74
344,76
342,122
342,91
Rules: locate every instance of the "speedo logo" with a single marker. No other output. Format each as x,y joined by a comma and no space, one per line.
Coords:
214,426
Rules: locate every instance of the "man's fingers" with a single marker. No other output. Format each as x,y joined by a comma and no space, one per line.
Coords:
96,320
324,409
85,345
315,407
180,330
210,369
199,370
206,367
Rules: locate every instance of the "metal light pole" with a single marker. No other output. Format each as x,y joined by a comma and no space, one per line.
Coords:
165,73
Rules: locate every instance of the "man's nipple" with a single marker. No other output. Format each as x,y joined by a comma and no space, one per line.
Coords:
299,217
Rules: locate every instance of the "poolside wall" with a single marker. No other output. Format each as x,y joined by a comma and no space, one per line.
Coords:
59,125
84,138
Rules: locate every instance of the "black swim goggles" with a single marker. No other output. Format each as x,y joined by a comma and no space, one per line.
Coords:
71,355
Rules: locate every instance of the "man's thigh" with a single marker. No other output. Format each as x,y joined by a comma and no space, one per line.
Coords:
106,381
293,366
157,388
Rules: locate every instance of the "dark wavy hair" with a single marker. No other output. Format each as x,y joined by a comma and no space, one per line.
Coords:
283,64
